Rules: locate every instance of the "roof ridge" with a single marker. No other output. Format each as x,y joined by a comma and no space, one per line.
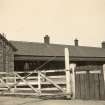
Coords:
57,44
39,43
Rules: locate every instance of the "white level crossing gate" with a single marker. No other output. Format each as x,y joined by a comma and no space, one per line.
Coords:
39,83
46,82
49,82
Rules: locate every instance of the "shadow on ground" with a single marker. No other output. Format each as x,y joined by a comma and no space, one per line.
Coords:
7,100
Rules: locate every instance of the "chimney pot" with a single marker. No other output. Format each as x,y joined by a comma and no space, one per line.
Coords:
103,44
46,39
76,42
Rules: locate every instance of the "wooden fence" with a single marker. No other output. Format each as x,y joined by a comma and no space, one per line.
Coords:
89,82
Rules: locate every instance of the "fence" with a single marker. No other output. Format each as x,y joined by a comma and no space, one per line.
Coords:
89,82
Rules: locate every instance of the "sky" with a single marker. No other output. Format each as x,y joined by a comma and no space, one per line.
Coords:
62,20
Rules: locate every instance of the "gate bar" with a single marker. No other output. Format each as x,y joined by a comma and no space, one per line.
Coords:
56,85
27,83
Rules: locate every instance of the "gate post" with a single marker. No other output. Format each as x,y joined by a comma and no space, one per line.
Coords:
104,75
68,77
104,72
72,68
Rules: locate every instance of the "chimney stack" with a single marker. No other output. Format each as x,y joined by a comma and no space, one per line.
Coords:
47,39
103,44
76,42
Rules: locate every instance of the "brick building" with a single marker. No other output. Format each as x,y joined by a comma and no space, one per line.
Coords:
31,55
21,55
6,55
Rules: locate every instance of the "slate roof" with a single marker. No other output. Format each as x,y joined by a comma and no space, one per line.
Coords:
41,49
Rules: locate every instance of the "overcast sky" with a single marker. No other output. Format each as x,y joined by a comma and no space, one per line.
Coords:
62,20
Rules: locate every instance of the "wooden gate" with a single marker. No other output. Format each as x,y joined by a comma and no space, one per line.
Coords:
39,83
89,82
55,82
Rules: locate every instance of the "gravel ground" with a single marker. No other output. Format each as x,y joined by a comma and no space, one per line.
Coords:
7,100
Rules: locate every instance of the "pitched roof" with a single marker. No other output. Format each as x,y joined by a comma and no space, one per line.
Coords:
9,43
41,49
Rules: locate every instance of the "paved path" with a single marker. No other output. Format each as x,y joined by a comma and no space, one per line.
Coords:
35,101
